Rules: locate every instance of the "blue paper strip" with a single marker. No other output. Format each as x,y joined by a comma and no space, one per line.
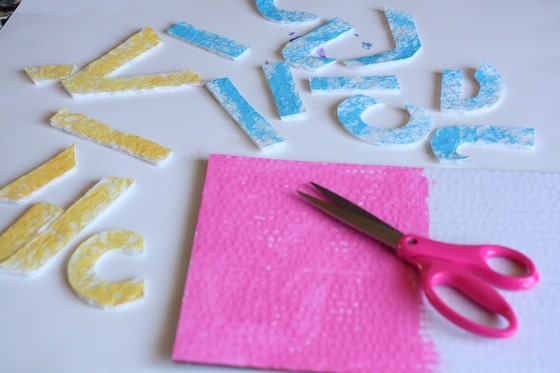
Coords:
214,43
298,52
269,10
447,140
350,113
283,88
252,123
491,90
407,41
335,84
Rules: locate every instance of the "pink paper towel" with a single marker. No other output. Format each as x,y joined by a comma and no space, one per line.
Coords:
274,283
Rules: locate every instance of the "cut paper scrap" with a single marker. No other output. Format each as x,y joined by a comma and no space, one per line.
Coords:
284,90
138,83
447,140
258,129
275,284
211,42
405,36
299,52
269,10
346,84
35,181
92,288
119,57
90,129
490,92
350,113
44,246
49,73
35,219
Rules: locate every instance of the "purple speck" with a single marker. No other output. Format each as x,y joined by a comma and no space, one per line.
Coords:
321,53
366,45
292,33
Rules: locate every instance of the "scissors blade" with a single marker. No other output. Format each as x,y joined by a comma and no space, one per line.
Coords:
375,228
344,203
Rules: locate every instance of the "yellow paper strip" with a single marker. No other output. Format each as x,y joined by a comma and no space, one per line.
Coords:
24,187
27,226
138,83
49,73
103,134
118,57
88,285
33,255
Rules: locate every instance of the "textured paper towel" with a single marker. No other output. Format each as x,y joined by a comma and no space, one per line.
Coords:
275,283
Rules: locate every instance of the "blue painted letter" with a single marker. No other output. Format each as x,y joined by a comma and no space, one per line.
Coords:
343,84
491,90
252,123
298,51
217,44
447,140
350,112
407,42
269,10
283,88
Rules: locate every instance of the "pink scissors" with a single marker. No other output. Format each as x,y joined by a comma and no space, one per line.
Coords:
462,267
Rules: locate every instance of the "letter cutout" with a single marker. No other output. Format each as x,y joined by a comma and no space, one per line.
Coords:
103,134
88,285
283,88
33,221
214,43
93,80
252,123
44,246
350,112
49,73
269,10
491,90
351,84
41,177
298,52
117,58
407,41
447,140
139,83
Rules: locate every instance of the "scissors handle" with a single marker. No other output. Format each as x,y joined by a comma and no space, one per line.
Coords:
472,258
476,290
465,268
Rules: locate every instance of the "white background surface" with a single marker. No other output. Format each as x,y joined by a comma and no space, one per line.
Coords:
44,325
